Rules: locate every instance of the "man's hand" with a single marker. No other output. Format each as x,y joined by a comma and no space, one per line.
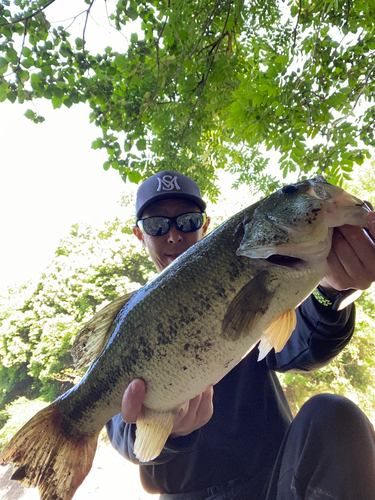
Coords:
197,412
351,262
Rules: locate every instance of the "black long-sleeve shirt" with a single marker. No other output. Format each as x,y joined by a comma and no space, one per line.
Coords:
251,413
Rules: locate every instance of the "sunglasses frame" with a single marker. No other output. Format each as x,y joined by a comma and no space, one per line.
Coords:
171,221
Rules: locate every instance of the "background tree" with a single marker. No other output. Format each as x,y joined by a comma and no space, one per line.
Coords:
207,84
38,323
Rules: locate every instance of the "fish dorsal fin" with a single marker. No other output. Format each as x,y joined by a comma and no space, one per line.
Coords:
278,333
94,336
247,308
153,430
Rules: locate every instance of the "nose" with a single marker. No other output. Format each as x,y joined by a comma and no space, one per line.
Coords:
174,235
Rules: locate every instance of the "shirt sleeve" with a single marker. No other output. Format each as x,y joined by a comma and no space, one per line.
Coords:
319,336
122,438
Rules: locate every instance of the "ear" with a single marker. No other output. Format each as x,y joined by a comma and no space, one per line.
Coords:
205,227
138,233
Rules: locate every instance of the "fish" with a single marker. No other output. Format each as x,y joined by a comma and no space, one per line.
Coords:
185,330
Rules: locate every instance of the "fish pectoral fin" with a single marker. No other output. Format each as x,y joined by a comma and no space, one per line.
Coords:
153,430
247,307
94,336
278,333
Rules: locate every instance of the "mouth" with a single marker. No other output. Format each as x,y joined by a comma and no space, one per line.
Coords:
284,260
173,256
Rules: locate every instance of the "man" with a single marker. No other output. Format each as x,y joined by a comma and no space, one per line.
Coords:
238,440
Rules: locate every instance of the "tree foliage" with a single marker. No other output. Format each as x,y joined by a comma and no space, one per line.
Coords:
38,323
207,84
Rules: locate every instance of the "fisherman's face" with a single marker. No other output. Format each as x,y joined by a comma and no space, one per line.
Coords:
165,249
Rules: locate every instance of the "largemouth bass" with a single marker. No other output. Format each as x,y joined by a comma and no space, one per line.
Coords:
186,329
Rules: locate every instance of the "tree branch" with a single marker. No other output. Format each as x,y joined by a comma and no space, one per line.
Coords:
335,123
202,83
208,23
84,29
26,18
296,26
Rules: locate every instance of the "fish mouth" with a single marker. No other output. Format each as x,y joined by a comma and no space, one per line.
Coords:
284,260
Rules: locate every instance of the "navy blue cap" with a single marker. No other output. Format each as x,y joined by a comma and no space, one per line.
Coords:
165,185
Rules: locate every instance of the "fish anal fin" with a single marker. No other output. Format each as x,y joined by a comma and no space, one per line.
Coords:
94,336
264,348
247,307
48,458
153,430
278,333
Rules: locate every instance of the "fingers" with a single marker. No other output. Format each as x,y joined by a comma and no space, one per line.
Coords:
371,223
196,414
132,401
351,262
368,205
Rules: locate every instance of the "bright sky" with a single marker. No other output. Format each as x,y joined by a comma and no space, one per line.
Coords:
50,178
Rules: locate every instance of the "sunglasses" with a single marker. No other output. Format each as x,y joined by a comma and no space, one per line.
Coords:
186,223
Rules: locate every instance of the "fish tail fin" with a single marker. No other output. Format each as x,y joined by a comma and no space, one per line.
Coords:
278,333
153,430
48,458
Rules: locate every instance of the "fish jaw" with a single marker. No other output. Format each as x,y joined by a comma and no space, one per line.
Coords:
342,207
302,228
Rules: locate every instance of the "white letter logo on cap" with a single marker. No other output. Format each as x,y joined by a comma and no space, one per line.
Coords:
168,183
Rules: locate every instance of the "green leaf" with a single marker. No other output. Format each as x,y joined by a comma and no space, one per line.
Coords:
121,61
11,55
283,59
98,143
169,39
35,78
3,62
56,102
183,34
3,66
30,114
4,90
134,176
141,144
26,52
27,63
47,70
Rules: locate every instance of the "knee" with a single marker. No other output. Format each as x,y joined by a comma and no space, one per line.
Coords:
332,411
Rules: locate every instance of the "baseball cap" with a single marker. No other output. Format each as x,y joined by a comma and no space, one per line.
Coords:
165,185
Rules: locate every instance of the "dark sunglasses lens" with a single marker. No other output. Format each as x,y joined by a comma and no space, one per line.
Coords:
188,223
156,226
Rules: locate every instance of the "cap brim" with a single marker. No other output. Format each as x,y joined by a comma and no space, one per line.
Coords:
167,196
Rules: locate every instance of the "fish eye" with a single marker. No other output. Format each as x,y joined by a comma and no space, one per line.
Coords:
289,189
